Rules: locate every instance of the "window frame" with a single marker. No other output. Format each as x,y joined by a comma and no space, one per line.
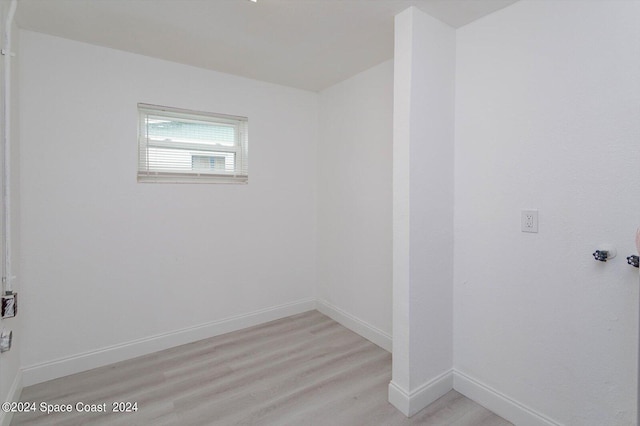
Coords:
239,149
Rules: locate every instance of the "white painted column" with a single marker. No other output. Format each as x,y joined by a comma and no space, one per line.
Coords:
424,88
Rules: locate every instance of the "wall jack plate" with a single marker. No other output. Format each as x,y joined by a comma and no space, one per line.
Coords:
9,305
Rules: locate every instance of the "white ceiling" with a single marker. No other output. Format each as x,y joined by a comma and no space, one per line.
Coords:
309,44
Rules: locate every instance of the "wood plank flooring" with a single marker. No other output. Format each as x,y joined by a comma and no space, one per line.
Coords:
301,370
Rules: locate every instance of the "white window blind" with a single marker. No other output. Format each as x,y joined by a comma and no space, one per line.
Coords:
176,145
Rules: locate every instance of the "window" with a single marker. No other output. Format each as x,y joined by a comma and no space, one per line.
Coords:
177,145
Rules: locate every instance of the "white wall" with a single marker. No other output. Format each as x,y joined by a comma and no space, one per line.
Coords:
546,117
547,100
354,202
423,137
109,261
10,377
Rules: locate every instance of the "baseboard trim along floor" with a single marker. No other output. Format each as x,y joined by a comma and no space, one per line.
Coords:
407,403
411,403
504,406
86,361
355,324
302,369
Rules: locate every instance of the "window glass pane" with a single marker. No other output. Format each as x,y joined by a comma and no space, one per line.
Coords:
190,131
180,160
219,162
178,145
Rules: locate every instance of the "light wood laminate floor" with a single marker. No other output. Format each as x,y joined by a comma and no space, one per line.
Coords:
301,370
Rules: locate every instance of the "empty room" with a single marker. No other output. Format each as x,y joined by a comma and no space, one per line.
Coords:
320,212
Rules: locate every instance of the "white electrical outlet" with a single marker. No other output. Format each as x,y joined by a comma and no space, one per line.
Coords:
529,220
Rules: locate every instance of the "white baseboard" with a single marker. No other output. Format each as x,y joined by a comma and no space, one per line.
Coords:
74,364
508,408
13,396
355,324
409,403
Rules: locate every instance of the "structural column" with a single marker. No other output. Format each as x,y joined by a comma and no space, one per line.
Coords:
423,158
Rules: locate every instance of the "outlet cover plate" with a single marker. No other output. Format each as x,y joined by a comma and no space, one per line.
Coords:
529,221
